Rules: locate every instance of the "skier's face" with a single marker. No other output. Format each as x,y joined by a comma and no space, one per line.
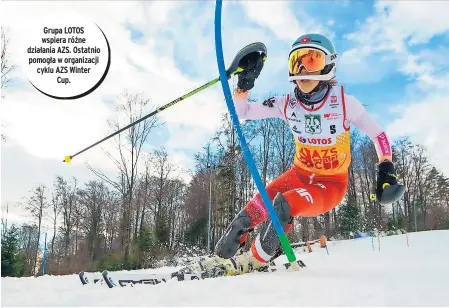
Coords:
307,86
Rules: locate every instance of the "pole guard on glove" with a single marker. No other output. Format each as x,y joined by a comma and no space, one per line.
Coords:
388,190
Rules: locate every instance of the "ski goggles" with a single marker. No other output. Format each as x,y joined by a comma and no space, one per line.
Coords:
313,60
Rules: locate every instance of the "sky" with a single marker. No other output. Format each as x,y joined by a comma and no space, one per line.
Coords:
392,56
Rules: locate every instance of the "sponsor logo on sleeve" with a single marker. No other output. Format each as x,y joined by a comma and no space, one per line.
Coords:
384,144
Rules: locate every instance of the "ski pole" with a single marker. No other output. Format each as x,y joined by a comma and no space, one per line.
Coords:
232,70
67,159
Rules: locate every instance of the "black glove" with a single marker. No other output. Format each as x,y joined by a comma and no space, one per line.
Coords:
386,175
252,65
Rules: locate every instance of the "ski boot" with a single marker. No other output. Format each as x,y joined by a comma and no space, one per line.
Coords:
242,263
228,245
214,266
208,267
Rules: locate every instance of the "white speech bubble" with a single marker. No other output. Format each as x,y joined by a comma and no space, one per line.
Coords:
66,58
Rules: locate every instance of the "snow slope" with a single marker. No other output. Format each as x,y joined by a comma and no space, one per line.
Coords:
351,275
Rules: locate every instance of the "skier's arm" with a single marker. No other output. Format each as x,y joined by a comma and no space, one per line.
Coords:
386,173
255,111
361,119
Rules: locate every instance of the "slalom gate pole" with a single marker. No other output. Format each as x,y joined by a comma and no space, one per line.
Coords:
406,233
378,238
249,160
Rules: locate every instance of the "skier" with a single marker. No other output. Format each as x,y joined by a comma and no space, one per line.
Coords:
319,114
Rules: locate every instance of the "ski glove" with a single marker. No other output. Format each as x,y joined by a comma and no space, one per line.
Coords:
386,175
252,65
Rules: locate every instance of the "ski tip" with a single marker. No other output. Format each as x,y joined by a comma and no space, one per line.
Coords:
108,279
83,278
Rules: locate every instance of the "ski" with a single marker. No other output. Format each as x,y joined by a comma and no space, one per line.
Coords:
123,280
83,276
151,279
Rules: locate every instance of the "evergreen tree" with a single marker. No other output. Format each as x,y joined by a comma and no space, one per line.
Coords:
196,234
349,219
12,258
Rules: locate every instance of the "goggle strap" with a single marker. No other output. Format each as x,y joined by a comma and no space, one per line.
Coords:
308,46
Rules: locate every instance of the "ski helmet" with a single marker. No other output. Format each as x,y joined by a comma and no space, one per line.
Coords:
322,53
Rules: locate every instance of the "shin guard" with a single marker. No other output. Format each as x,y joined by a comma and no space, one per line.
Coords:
267,242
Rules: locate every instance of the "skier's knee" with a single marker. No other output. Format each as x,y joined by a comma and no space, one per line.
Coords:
229,243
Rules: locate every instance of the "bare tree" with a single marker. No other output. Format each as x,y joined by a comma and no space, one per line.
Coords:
67,193
265,131
56,209
163,169
28,239
284,146
92,201
37,204
5,221
226,139
129,148
6,67
110,216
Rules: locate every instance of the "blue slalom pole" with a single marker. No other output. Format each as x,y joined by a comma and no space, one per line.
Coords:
249,159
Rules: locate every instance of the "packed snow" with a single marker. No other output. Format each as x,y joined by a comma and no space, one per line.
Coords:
353,274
